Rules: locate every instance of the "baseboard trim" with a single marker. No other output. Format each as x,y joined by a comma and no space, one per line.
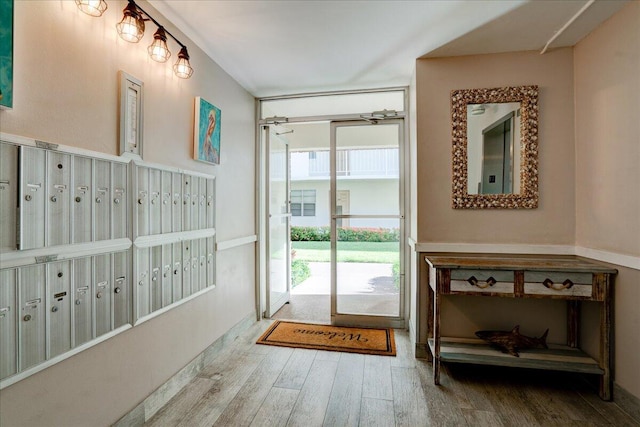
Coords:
156,400
627,402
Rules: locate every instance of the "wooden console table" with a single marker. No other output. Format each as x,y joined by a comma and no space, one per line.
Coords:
569,278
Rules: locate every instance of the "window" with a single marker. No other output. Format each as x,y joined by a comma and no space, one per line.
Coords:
303,202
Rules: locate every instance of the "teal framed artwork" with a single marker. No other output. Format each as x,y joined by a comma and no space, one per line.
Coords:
6,53
206,132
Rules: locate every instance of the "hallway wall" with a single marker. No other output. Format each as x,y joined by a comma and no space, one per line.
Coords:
66,92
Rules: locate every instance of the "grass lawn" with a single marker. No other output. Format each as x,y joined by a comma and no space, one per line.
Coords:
379,252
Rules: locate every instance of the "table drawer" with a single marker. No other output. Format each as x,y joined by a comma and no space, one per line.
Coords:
482,281
558,284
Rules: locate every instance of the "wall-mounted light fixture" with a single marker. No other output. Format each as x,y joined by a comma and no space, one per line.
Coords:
131,29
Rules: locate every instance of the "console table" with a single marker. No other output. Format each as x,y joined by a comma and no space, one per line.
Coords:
569,278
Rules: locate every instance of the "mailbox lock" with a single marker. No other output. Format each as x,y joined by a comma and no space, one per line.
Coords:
117,290
139,201
78,302
116,201
208,203
186,268
27,317
153,201
154,278
78,199
98,200
54,199
175,271
60,274
175,202
27,197
99,295
164,202
54,309
59,165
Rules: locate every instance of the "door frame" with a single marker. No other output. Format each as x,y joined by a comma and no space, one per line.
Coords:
409,299
362,319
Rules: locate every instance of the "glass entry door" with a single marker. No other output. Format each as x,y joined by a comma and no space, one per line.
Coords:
367,222
278,221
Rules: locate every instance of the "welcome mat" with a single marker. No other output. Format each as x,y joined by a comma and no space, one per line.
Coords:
333,338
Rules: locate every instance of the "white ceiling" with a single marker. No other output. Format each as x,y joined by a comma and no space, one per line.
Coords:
287,47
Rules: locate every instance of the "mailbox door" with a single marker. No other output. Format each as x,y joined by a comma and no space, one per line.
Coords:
82,199
59,307
186,202
32,198
186,268
82,310
211,261
102,292
155,203
8,195
176,206
177,271
167,275
167,197
195,200
121,290
143,273
211,203
142,201
8,355
31,329
195,267
202,269
119,199
101,196
58,205
202,204
156,278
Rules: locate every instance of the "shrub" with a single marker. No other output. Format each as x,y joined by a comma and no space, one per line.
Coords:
347,234
300,272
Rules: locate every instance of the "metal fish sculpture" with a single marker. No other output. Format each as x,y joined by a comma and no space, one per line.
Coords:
512,341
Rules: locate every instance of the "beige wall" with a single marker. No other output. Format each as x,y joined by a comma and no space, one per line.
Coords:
552,222
607,90
66,92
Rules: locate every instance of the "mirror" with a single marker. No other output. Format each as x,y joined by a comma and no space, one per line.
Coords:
495,148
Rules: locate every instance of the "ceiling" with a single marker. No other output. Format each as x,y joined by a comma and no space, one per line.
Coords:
288,47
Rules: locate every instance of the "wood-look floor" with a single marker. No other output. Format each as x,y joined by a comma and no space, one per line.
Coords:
256,385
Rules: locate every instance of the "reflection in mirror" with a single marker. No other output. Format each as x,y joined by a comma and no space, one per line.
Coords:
495,148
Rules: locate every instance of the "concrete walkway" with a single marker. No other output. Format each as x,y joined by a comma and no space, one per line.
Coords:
353,279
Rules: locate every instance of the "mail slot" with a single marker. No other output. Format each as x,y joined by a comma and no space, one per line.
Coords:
31,327
32,198
121,290
155,201
8,195
101,202
59,307
119,200
8,354
82,199
58,190
82,301
102,293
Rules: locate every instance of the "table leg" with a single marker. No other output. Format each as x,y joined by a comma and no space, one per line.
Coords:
605,342
436,337
430,299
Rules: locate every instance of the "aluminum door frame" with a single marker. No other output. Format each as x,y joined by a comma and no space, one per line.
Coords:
360,319
270,306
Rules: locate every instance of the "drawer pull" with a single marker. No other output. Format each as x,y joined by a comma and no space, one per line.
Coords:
548,283
489,282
